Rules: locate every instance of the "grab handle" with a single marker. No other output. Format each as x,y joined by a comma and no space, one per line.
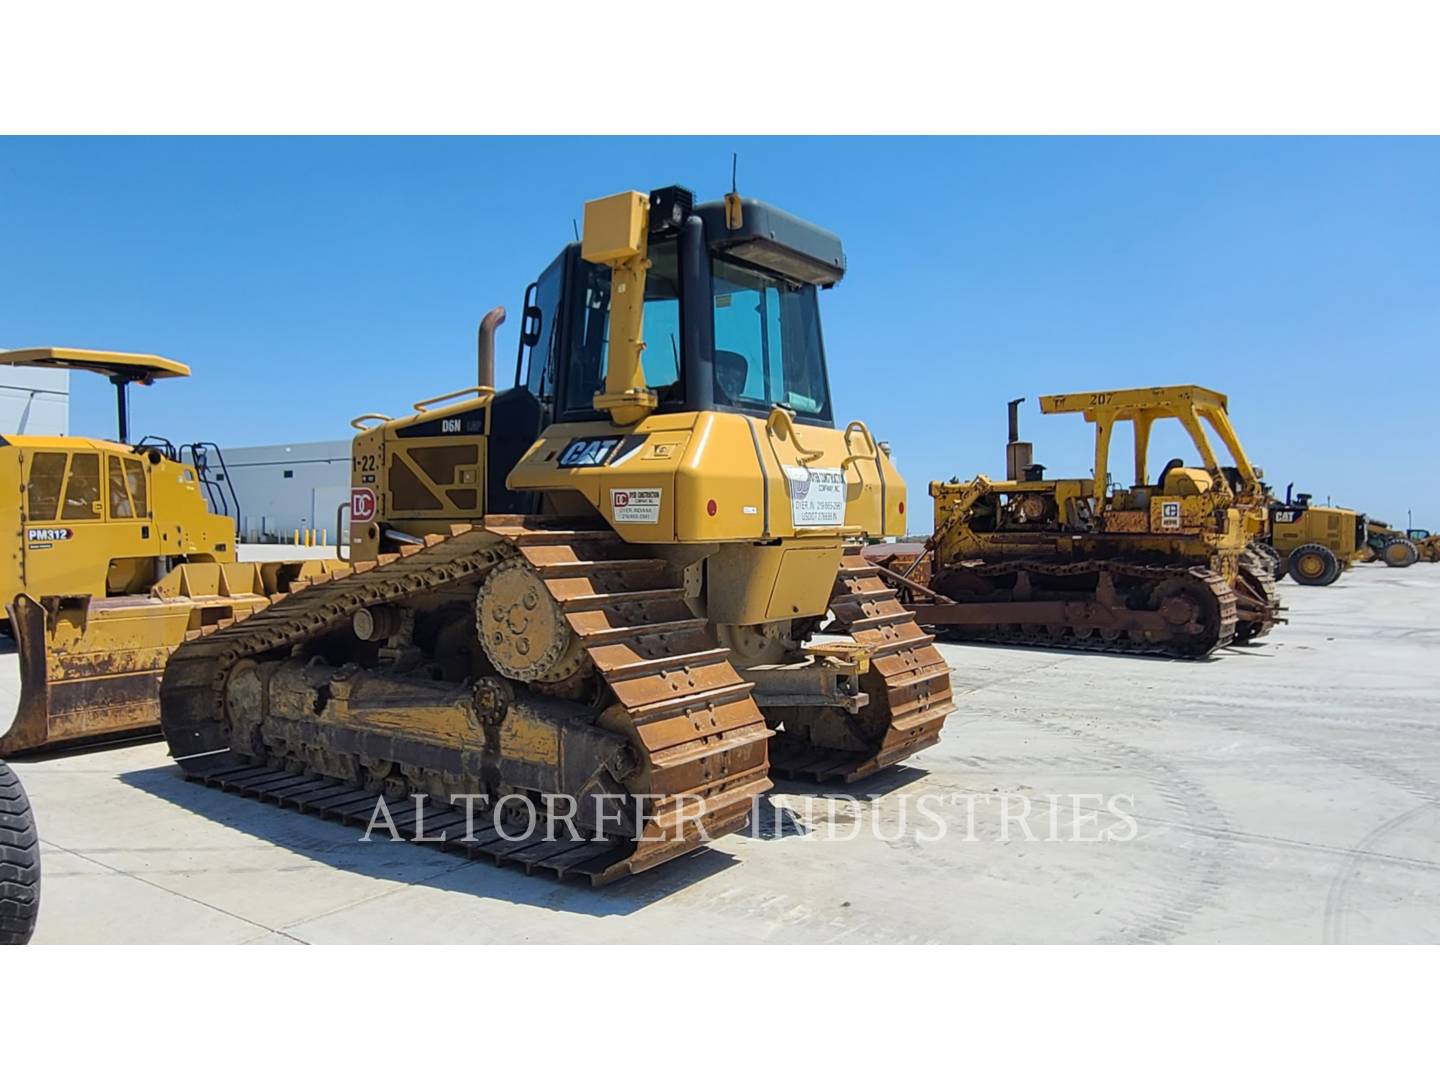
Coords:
485,392
781,418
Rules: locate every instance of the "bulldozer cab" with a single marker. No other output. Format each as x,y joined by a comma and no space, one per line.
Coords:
670,329
730,317
1182,497
93,517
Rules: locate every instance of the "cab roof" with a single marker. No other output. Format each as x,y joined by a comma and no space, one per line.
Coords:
64,442
130,367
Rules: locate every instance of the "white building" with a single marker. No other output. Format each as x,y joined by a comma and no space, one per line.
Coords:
34,401
284,488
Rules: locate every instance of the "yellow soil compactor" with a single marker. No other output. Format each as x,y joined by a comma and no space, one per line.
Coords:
593,598
102,531
1163,567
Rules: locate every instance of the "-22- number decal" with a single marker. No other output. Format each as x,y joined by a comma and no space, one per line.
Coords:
365,463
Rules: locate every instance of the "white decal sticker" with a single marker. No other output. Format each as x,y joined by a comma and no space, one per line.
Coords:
817,496
362,504
1169,515
749,510
639,506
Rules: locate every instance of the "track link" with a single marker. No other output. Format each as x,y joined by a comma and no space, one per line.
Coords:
908,682
1262,608
1122,641
671,688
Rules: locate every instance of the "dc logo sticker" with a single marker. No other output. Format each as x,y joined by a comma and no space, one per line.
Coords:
622,498
362,504
799,489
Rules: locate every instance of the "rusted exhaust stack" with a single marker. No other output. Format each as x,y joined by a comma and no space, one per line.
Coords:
485,347
1018,455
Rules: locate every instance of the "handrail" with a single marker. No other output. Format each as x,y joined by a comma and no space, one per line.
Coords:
358,426
339,527
874,455
781,417
485,392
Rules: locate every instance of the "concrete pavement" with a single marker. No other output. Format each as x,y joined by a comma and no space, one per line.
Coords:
1280,793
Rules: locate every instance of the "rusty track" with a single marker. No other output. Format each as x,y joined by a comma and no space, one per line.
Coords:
1257,614
908,682
1122,641
667,684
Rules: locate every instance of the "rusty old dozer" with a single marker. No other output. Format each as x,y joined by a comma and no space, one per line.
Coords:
129,546
1161,568
593,598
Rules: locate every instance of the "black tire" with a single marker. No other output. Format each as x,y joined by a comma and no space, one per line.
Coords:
19,862
1313,564
1399,552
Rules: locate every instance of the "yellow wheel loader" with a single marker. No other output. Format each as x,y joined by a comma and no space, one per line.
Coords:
591,601
1397,547
1426,544
1316,544
127,524
1163,567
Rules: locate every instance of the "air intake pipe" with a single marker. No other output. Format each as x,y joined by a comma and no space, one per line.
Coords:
485,347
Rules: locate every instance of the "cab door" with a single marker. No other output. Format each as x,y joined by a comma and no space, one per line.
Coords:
133,545
65,549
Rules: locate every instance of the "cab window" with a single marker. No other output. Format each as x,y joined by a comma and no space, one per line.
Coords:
590,351
767,343
135,478
126,482
47,474
82,489
540,372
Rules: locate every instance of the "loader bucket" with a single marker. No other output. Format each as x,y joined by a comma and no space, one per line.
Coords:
90,667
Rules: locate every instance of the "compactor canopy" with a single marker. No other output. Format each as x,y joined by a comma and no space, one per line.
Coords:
120,368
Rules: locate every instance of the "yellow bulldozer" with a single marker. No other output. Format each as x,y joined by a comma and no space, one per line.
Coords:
594,597
127,524
1164,566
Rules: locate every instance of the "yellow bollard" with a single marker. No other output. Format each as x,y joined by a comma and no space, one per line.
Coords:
297,536
324,537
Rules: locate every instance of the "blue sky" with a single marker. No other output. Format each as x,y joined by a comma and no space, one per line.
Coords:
309,280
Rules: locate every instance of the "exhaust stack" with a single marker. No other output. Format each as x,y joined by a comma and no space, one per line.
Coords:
485,347
1018,455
